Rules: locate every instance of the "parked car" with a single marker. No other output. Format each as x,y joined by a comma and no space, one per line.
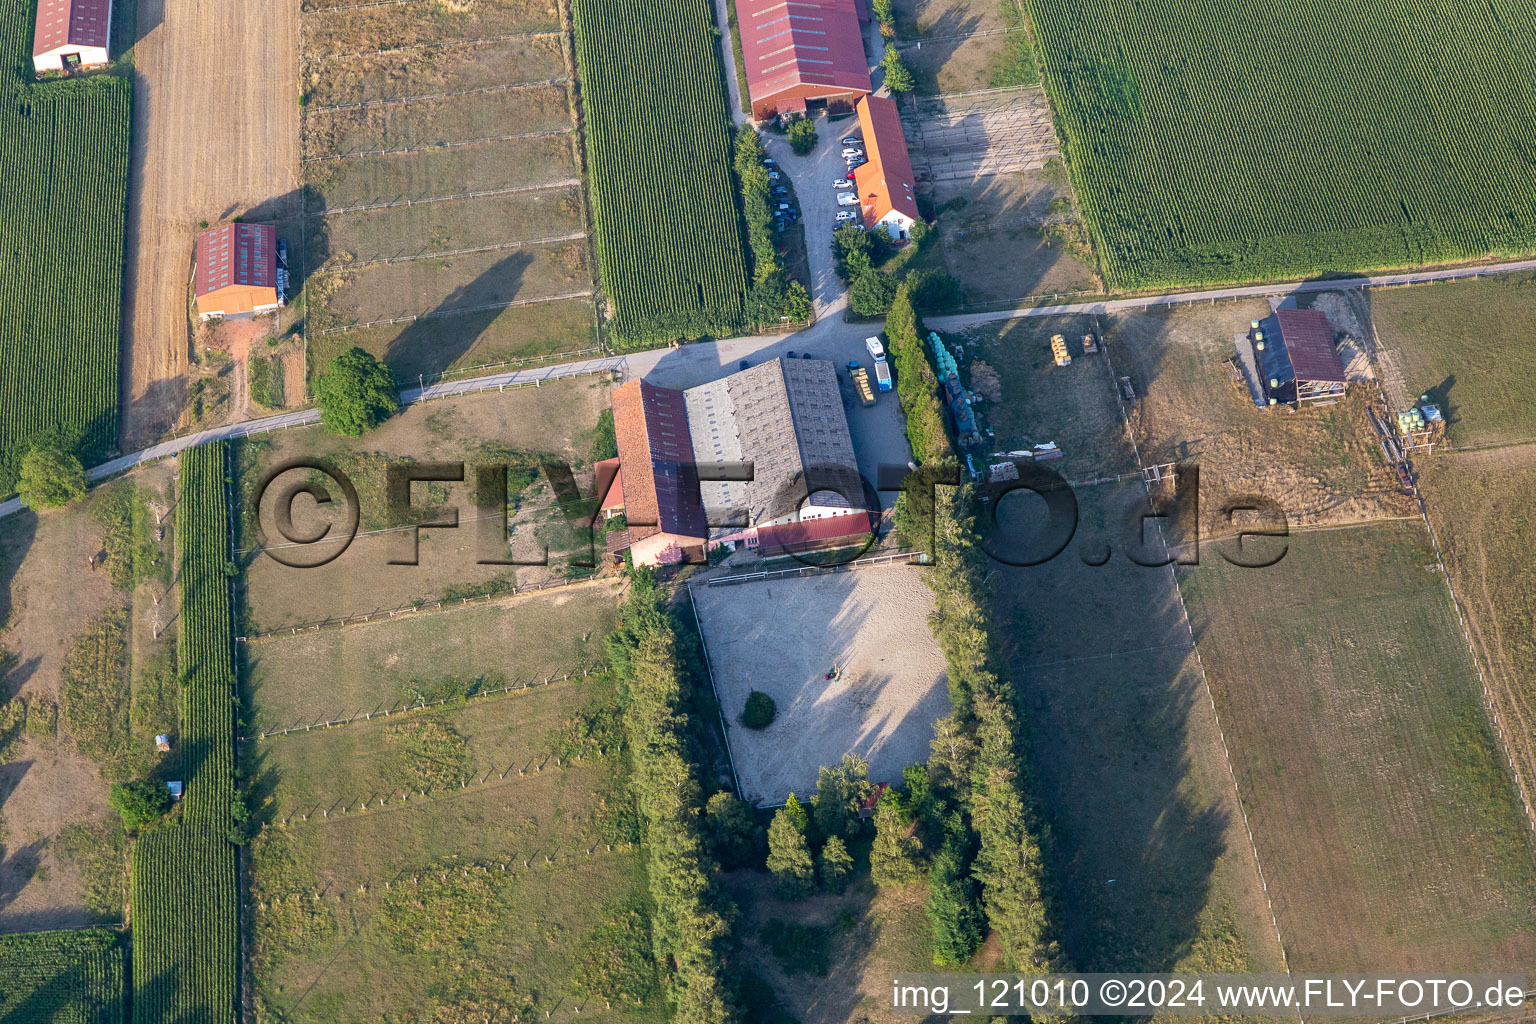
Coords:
744,365
844,216
843,183
780,190
851,164
282,253
849,152
853,140
790,353
847,199
769,161
774,175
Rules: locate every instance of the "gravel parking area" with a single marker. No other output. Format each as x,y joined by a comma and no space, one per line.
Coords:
781,636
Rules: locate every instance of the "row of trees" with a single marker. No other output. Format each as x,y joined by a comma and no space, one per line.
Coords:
774,295
976,817
687,927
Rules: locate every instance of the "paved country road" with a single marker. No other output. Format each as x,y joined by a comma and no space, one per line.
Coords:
828,338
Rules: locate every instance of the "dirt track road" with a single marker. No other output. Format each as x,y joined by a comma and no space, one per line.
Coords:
215,135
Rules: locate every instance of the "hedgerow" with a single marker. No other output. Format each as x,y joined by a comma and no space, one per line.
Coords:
687,927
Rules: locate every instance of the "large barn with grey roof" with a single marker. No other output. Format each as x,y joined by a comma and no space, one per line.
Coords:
784,418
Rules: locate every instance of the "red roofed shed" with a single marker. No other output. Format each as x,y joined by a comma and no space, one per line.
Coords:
237,270
71,34
800,51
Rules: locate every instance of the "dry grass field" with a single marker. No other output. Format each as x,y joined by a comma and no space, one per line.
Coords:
556,420
1006,236
331,674
442,185
488,898
1322,465
956,46
1462,343
79,687
1481,507
1389,826
1155,870
782,636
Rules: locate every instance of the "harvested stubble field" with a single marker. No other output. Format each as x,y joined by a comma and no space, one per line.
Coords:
449,284
1322,465
423,177
358,28
450,74
1480,504
1464,343
421,124
403,231
1128,757
558,419
431,70
472,903
782,636
1074,406
336,673
1389,826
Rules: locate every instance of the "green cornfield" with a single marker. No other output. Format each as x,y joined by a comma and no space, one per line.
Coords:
1215,141
659,143
64,164
71,977
185,898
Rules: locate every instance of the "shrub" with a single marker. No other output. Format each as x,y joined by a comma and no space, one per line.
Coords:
139,803
871,293
735,837
760,711
896,74
802,136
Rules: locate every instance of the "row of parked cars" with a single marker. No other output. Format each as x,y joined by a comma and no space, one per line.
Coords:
853,156
785,213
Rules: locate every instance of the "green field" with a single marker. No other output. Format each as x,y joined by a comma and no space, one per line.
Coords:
185,898
1389,828
64,161
658,137
71,977
1212,141
1460,343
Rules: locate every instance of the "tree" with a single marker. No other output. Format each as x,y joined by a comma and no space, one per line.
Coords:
896,74
894,860
933,289
777,297
139,803
356,394
789,857
735,837
1008,866
841,790
50,477
883,12
952,755
954,913
802,135
871,293
833,864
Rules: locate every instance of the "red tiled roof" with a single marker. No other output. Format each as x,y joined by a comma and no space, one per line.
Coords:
610,484
237,254
811,47
71,23
811,533
1308,340
886,182
661,482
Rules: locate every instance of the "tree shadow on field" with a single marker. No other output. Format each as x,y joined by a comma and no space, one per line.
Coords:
438,339
17,532
938,42
1108,688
